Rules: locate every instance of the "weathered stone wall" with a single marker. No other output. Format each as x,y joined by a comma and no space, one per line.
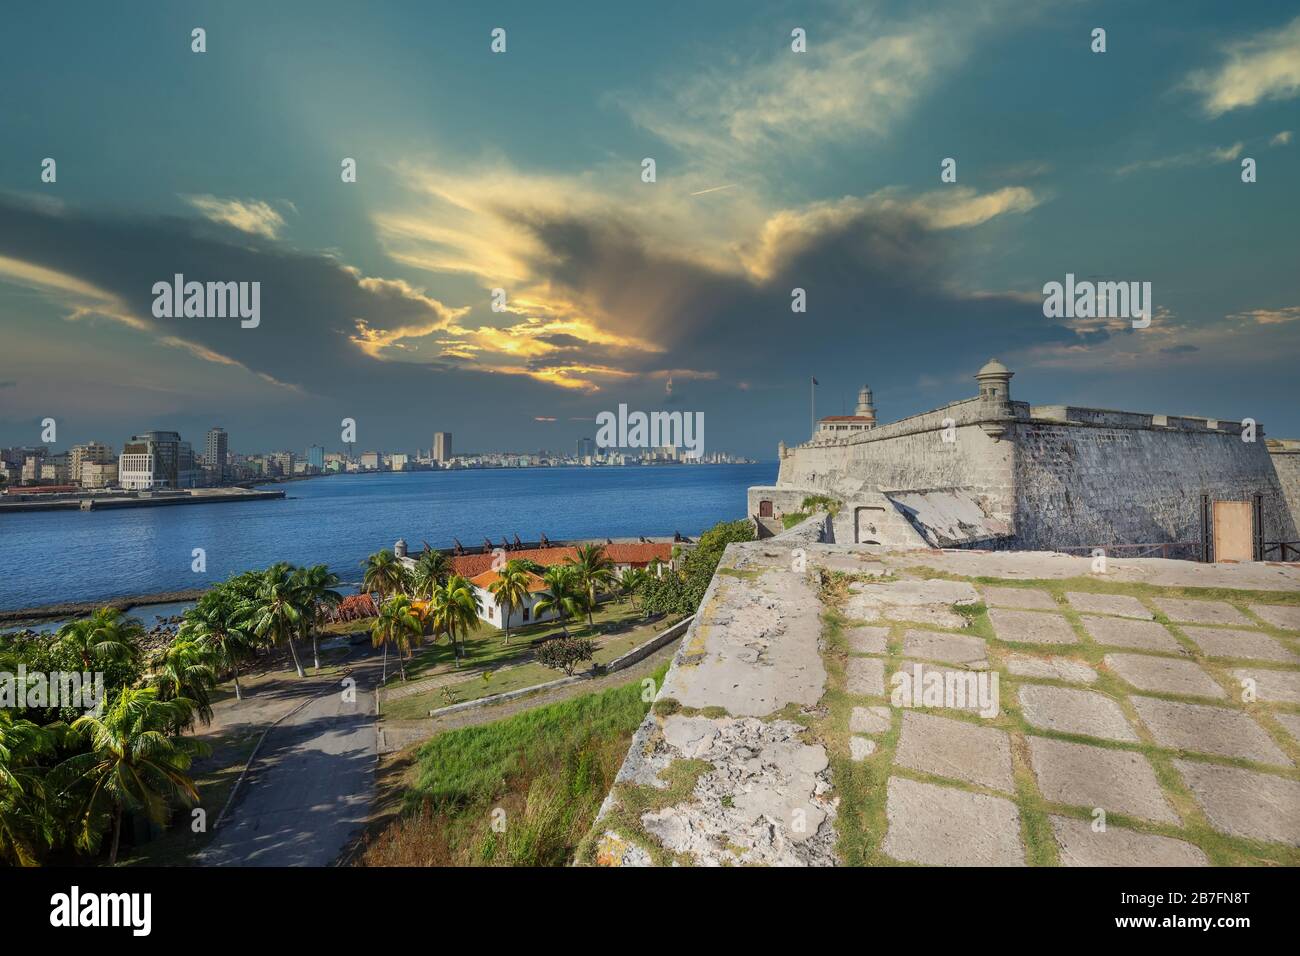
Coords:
1080,484
1286,465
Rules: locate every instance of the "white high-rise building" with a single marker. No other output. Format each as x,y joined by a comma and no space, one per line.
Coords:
442,446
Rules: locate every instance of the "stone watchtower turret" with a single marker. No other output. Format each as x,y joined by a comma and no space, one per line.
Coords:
866,408
995,396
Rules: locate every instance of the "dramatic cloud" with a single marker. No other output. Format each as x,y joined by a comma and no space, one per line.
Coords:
1265,66
247,215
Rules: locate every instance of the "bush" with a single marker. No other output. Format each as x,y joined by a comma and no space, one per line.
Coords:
565,653
682,592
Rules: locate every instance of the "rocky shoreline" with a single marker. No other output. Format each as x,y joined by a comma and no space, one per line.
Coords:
77,608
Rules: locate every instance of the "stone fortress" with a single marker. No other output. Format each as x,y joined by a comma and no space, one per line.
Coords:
991,472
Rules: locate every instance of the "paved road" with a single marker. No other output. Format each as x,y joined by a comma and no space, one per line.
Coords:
311,786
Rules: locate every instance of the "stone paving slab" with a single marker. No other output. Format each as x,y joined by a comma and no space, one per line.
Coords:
1210,730
943,826
1080,845
1123,605
1031,627
959,679
860,748
1139,635
868,640
870,720
1287,618
1118,781
1249,645
1244,803
866,675
1025,598
1051,668
949,648
957,749
1291,722
1200,612
1071,711
1276,686
1164,675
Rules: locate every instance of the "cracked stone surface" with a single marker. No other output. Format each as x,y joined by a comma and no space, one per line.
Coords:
1051,668
949,648
1122,604
1118,781
1200,612
869,720
866,675
1071,711
765,801
1209,730
868,640
1080,845
1025,598
1164,675
1031,627
919,675
1244,803
955,748
918,601
944,826
1272,685
1287,618
1248,645
1139,635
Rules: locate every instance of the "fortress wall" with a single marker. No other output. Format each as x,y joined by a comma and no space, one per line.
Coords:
910,455
1286,465
1080,485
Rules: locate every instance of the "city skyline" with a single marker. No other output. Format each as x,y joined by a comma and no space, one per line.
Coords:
500,258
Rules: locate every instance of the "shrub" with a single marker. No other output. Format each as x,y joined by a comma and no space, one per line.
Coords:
565,653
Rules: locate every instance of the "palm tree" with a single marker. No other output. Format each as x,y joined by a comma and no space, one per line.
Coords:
315,587
107,636
561,595
593,572
629,582
431,568
396,624
454,609
186,669
26,826
276,615
510,590
384,574
134,763
220,623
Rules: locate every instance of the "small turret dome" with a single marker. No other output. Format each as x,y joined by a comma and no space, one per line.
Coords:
993,367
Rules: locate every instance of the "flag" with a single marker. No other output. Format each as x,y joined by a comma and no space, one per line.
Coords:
815,382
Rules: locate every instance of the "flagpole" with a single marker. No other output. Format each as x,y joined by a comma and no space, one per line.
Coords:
812,408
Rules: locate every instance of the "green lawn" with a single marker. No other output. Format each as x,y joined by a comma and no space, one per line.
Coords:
540,776
613,644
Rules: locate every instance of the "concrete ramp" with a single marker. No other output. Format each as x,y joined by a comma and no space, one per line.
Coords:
950,519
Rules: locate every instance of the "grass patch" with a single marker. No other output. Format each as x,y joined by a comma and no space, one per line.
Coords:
522,791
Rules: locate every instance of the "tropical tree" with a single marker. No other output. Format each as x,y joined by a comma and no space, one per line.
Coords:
316,595
276,614
106,637
26,825
431,568
396,624
384,574
594,572
562,595
629,582
219,622
454,610
510,590
186,669
134,763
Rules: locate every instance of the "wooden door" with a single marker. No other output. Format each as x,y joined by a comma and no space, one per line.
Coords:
765,509
1233,531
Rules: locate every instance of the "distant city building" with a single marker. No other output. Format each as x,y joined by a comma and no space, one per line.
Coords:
316,457
441,446
94,452
370,461
833,426
398,462
586,447
216,452
55,470
32,468
96,474
156,459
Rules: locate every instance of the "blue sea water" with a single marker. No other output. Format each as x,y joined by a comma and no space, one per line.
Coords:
51,557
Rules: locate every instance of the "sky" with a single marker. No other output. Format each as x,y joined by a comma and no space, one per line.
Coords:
523,171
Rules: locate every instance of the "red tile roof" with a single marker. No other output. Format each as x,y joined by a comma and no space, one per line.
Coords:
637,555
489,578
